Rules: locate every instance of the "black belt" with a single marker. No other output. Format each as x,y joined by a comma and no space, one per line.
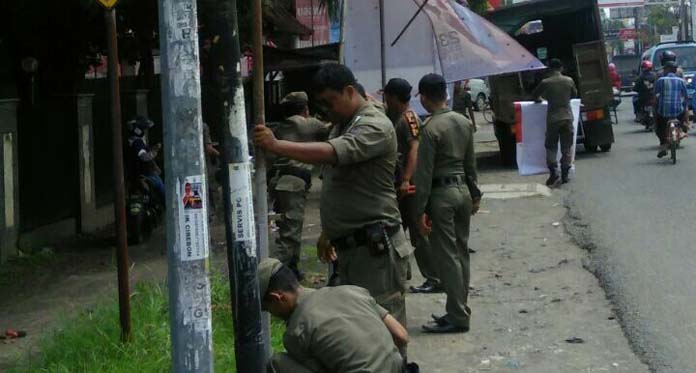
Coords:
448,181
359,238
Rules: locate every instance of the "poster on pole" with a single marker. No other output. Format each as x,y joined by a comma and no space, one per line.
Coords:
193,219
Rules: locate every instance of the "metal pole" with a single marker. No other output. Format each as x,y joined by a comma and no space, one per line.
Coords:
342,45
187,204
382,48
260,186
252,346
119,184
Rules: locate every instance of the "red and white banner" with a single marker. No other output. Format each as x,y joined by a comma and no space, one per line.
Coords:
316,17
620,3
530,129
471,47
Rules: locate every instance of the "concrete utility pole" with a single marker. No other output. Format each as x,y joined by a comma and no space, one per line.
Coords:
119,183
252,340
187,204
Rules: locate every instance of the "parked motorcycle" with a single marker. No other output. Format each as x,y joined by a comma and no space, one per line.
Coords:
144,209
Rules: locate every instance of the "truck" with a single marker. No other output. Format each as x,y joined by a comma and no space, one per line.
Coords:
570,31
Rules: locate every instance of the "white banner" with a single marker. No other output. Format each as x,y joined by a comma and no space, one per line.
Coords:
620,3
531,136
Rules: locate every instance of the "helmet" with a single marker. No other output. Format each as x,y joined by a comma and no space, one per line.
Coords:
139,125
612,67
670,64
646,65
668,56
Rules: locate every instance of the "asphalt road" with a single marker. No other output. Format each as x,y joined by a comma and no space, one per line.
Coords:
636,214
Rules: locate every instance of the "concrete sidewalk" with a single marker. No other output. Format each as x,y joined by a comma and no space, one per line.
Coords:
530,294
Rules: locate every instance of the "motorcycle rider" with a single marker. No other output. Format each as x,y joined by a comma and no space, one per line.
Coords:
644,86
141,156
671,100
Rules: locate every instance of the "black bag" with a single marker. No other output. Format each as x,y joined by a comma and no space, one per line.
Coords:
411,368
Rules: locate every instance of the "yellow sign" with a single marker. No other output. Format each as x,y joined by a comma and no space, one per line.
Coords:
108,4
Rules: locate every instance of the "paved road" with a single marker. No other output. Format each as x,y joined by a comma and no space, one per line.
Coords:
636,213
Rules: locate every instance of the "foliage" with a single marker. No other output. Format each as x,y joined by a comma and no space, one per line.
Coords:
479,6
90,342
662,18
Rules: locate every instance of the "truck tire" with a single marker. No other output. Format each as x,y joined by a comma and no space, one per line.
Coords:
606,148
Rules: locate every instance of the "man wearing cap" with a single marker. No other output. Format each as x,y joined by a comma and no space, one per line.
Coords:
446,165
333,329
397,95
558,90
361,224
291,179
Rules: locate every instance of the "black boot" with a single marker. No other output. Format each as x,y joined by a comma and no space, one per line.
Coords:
553,179
565,171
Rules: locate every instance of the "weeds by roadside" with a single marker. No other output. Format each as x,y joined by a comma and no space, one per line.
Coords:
90,342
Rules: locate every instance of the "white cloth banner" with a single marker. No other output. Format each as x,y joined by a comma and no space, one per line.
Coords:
531,136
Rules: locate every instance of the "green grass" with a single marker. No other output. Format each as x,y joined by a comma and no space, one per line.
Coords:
90,342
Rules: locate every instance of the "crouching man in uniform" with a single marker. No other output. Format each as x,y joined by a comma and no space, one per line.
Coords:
333,329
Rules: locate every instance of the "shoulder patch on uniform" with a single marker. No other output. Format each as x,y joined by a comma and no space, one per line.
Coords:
412,121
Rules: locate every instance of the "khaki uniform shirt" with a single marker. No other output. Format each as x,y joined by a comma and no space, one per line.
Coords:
446,149
341,329
359,189
407,127
557,90
297,129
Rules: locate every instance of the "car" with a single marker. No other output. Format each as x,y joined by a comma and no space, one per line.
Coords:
686,59
479,92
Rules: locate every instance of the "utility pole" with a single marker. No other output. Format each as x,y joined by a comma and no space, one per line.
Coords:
260,186
382,47
187,199
252,345
119,183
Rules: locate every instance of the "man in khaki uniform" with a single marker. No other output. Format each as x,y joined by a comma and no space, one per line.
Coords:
446,163
291,179
397,95
558,90
359,212
333,329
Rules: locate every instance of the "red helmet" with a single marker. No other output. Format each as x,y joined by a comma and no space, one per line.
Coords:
646,65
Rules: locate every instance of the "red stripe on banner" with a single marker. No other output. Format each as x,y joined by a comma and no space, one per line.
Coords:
518,122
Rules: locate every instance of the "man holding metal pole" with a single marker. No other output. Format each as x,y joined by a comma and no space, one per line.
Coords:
359,211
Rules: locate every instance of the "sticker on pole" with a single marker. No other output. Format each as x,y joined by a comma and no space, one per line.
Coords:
242,202
193,219
107,4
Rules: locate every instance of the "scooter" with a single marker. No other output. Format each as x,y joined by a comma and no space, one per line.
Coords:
144,209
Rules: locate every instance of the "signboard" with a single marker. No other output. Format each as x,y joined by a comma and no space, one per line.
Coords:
107,4
620,3
316,17
627,34
621,13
